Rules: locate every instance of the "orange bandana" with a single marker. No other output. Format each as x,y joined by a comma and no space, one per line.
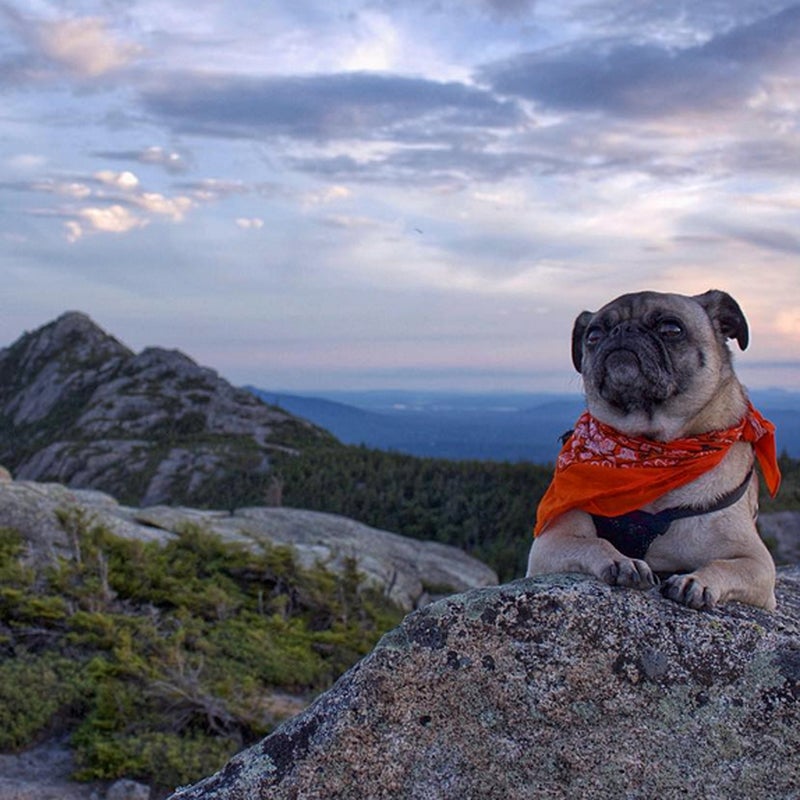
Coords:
602,471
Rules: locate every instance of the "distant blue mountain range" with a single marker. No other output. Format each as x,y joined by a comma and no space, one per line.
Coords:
492,427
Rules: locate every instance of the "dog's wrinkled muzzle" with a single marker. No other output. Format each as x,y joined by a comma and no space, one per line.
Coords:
634,369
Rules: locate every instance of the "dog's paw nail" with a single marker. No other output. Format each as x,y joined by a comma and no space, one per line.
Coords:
671,589
632,573
644,575
709,602
610,573
689,592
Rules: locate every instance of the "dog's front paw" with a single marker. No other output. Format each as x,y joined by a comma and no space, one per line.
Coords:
630,572
690,591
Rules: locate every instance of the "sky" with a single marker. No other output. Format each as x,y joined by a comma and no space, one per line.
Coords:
422,194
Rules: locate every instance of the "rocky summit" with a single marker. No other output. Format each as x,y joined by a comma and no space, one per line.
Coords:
557,687
80,408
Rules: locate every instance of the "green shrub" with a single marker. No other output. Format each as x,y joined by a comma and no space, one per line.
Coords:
12,570
165,759
161,658
34,691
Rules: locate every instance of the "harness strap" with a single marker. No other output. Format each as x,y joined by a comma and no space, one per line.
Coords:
633,533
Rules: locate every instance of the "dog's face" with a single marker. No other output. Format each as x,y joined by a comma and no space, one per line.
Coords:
652,362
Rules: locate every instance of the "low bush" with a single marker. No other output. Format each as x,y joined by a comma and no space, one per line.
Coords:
160,659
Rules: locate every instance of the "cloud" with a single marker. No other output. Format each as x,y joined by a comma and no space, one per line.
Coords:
74,189
250,223
126,181
497,9
341,106
25,162
209,190
511,8
775,155
84,46
107,202
171,161
109,219
331,194
73,230
175,208
378,46
651,79
678,24
781,241
153,202
342,222
453,165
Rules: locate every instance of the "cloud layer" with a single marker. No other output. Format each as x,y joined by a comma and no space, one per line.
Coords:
426,183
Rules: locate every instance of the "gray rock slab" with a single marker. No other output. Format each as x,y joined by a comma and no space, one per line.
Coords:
409,571
556,687
32,509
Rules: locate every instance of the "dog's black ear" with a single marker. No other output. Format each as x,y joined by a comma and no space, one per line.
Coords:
581,323
726,315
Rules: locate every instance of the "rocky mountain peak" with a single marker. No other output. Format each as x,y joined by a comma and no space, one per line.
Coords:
77,320
79,407
70,338
53,365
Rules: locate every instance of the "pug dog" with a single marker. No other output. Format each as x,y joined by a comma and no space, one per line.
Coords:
658,378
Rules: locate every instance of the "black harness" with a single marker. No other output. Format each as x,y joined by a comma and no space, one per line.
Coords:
634,532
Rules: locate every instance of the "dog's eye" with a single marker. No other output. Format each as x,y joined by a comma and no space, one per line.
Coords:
669,329
593,336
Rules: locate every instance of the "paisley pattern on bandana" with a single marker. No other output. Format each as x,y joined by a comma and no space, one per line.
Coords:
593,442
602,471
